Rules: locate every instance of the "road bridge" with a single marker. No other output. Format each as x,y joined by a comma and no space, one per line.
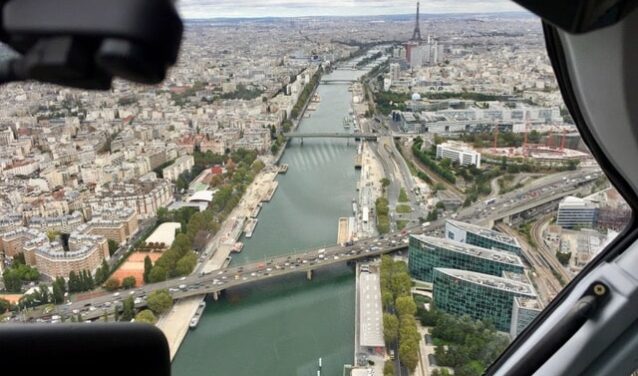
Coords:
336,82
309,261
302,135
219,280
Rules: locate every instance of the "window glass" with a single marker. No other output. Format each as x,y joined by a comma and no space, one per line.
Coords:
243,205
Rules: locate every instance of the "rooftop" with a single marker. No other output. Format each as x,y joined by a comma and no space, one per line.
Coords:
519,277
472,250
370,312
527,303
205,195
165,233
458,146
485,232
491,281
572,202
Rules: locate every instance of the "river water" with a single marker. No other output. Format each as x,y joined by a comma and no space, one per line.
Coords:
282,327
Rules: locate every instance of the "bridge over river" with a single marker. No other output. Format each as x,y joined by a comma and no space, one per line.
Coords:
504,207
302,135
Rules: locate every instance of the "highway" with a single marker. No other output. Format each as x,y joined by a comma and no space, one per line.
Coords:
225,278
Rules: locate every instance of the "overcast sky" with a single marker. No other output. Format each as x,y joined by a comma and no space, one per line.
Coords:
300,8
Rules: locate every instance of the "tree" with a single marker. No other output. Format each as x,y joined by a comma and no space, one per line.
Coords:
58,292
160,301
387,299
148,266
157,274
5,305
88,282
563,257
405,306
186,264
12,281
390,328
112,284
388,369
74,282
409,354
146,316
162,215
128,309
401,284
102,273
408,330
182,243
128,283
113,246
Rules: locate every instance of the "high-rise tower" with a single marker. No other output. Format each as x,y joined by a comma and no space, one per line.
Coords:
416,34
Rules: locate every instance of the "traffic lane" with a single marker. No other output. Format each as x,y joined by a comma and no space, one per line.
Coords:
246,277
172,283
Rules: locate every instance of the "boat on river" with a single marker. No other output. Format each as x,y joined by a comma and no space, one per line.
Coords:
198,315
250,227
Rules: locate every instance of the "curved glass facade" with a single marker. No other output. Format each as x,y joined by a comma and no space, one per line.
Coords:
426,253
480,296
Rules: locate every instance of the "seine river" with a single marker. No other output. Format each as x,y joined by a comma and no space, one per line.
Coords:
282,327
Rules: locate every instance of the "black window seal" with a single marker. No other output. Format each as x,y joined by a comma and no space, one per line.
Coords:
626,237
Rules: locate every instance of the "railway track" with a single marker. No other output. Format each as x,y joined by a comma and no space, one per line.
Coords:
450,188
547,284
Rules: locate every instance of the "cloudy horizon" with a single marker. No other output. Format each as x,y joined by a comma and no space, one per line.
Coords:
197,9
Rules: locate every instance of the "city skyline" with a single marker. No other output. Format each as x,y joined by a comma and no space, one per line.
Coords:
207,9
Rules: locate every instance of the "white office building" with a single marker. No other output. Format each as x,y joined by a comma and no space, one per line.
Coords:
575,211
458,152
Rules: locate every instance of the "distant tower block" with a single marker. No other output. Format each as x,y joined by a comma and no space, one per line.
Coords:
416,34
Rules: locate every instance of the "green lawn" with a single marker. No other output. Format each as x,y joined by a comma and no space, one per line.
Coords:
403,209
403,196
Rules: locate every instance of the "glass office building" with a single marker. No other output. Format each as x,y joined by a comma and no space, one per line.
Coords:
426,253
480,296
524,312
480,236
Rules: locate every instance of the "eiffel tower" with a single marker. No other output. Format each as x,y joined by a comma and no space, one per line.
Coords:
416,34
